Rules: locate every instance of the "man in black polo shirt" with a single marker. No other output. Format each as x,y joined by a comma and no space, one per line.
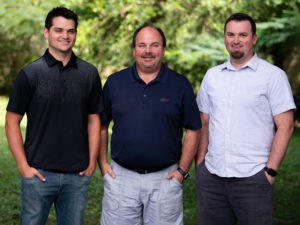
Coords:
150,105
62,98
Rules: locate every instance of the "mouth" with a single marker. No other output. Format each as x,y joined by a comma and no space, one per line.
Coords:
147,57
236,48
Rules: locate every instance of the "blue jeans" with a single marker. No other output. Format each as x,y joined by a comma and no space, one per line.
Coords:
68,192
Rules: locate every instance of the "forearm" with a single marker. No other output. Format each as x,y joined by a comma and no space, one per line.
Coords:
102,158
203,146
203,139
281,140
279,147
189,149
15,140
94,126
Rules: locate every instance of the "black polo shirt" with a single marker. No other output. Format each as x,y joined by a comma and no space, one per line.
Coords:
57,101
148,118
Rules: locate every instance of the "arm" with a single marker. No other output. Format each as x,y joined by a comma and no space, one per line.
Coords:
15,142
203,139
285,126
93,128
187,155
102,159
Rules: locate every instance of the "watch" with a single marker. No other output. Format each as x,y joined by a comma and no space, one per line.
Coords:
184,174
270,171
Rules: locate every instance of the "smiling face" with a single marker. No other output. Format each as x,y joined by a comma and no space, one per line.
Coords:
61,36
239,41
148,51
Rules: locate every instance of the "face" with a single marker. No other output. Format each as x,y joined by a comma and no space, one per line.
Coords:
61,36
148,51
239,40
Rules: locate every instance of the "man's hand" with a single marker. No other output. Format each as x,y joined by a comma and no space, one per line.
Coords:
270,178
88,171
32,172
175,174
106,168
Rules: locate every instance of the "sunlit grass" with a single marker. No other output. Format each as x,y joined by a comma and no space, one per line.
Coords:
286,189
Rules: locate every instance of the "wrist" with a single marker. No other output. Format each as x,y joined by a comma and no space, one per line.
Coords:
272,172
184,174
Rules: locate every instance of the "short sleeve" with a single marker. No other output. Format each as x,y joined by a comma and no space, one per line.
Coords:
96,96
280,94
20,95
106,114
202,97
191,115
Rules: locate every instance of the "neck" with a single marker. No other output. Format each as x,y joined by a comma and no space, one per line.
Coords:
239,63
147,75
64,57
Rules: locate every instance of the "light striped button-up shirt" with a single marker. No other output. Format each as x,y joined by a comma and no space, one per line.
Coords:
241,104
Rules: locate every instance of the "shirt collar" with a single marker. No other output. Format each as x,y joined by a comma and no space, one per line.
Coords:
161,77
252,64
51,61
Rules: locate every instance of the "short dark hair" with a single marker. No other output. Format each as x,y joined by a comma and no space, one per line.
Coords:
241,17
60,11
156,28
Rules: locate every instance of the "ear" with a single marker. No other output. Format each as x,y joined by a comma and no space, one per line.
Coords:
46,33
254,39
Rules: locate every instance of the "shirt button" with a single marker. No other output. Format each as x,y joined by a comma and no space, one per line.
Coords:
145,96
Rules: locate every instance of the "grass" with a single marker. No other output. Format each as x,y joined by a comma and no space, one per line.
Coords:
286,189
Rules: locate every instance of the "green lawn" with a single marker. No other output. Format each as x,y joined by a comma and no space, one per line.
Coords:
286,193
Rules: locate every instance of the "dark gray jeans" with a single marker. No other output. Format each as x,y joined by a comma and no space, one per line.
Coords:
224,201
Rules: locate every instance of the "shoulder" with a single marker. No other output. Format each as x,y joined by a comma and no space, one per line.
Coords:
213,73
82,64
175,77
34,66
119,76
269,68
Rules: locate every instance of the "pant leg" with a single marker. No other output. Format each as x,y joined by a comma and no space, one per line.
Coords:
37,198
213,207
72,199
162,198
121,203
251,199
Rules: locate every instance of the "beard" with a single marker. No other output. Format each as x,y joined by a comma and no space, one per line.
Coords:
237,54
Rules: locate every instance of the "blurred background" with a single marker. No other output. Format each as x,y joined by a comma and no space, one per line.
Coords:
193,28
194,32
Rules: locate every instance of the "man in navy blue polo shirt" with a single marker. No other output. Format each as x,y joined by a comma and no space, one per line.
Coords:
62,98
150,105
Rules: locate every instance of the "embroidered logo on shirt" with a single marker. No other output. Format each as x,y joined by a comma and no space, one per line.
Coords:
164,100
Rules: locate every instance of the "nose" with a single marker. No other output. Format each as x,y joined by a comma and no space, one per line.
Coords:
147,49
236,39
65,34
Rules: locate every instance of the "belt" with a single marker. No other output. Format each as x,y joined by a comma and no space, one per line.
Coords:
143,171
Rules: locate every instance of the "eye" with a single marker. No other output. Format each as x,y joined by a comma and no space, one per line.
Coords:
72,31
57,30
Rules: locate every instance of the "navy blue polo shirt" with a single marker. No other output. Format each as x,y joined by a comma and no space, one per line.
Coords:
148,118
57,101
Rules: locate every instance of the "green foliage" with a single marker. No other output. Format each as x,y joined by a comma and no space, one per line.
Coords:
194,31
21,24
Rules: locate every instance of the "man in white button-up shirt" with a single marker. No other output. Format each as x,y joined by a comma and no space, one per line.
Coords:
239,152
